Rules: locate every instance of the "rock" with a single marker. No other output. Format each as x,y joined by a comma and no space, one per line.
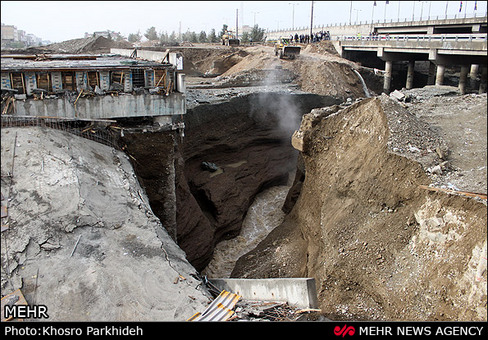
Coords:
208,166
397,95
436,170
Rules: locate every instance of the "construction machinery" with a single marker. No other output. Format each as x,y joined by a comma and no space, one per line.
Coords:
285,49
230,39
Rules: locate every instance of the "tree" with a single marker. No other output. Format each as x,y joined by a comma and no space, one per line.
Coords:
212,37
151,34
163,38
257,34
134,37
245,37
172,38
202,38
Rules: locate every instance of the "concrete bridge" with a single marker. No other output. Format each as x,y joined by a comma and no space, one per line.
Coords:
431,26
443,42
440,49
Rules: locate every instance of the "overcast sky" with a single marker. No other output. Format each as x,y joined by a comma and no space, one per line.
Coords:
64,20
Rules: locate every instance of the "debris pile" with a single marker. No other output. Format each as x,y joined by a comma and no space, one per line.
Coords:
249,310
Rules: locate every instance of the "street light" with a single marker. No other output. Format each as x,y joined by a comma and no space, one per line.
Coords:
255,17
293,14
357,12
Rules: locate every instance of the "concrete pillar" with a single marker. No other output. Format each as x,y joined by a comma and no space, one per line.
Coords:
483,79
410,72
431,78
463,78
439,76
473,73
387,79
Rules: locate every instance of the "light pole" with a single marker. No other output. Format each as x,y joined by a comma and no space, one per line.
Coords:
254,13
293,14
350,13
311,22
357,12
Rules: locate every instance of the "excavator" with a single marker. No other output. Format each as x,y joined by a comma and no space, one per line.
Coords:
230,39
285,49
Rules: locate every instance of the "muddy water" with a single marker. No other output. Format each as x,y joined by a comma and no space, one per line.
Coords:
263,216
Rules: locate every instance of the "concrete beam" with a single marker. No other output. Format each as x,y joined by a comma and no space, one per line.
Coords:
299,292
105,107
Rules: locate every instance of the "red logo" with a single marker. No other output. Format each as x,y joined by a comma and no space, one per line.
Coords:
344,330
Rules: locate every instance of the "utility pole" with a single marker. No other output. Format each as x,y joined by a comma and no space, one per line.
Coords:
293,14
350,13
254,23
311,22
237,23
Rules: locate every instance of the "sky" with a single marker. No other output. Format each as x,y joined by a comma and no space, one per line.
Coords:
63,20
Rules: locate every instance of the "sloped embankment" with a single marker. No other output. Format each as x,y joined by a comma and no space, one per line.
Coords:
82,238
380,247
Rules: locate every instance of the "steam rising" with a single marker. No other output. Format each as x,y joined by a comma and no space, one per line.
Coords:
277,105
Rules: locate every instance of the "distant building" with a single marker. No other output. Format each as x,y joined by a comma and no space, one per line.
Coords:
106,34
13,37
9,33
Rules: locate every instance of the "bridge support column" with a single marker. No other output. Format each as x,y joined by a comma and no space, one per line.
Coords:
410,72
463,78
387,78
473,73
484,71
431,77
439,76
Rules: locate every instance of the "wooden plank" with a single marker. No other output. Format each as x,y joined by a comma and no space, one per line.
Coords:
449,191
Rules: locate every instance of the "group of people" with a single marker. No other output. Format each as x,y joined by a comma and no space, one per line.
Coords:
373,36
306,38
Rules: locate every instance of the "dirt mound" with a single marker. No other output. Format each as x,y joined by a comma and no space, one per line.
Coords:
87,45
326,77
209,62
379,246
322,47
320,73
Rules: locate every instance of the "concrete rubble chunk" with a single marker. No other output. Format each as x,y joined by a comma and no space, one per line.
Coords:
397,95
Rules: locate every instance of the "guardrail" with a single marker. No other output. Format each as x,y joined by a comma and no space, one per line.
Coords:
405,20
419,38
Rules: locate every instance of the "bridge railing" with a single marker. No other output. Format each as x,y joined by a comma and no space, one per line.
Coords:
424,19
420,38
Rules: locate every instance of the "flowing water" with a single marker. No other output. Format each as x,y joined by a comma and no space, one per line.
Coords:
365,88
263,216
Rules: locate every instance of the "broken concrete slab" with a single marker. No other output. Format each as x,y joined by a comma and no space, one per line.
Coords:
299,292
124,265
397,95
